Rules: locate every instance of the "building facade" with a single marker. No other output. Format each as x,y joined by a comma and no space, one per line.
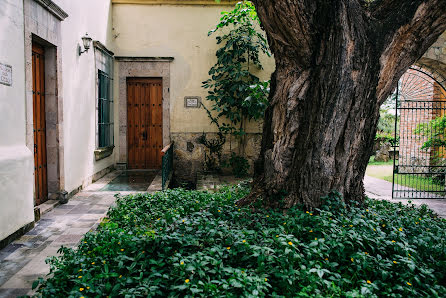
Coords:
70,115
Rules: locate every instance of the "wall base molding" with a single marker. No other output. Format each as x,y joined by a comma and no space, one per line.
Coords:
17,234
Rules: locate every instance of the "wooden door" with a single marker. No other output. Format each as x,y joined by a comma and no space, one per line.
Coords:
144,122
39,125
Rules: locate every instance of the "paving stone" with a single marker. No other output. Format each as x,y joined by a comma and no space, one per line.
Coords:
23,261
9,250
77,231
382,190
83,224
5,292
69,238
58,211
89,217
80,209
66,206
21,281
97,211
10,268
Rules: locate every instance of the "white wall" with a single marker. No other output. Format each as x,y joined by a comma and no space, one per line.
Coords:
79,87
16,161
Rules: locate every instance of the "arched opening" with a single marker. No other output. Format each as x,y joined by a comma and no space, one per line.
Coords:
420,123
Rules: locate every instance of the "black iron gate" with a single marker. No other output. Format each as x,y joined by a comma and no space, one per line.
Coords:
419,164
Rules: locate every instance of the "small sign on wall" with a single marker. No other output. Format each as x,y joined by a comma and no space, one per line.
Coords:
5,74
192,102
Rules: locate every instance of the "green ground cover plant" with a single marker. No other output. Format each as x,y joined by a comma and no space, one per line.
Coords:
373,162
182,243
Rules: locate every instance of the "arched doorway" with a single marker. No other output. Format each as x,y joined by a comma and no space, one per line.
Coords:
420,134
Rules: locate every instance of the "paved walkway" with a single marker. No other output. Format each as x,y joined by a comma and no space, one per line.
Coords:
382,190
23,261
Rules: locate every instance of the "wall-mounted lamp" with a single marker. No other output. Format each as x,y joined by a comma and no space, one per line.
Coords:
86,40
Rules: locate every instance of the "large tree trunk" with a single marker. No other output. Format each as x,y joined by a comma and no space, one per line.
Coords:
336,62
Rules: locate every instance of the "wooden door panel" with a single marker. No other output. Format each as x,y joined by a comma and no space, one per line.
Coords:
144,119
130,128
156,124
137,122
146,126
39,124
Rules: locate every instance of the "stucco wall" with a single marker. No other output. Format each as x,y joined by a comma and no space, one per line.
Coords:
179,32
12,101
16,161
79,88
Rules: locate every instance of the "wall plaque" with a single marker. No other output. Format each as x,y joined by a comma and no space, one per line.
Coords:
192,102
5,74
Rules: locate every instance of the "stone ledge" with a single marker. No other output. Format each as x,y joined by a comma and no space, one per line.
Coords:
53,8
97,44
156,184
143,59
102,153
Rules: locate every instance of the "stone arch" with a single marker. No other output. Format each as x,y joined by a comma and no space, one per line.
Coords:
434,68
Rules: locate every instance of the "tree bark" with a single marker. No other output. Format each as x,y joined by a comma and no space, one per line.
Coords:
336,63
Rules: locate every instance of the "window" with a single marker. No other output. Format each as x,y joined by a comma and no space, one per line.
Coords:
105,110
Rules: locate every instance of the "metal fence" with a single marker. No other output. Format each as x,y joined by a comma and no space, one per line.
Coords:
167,164
420,165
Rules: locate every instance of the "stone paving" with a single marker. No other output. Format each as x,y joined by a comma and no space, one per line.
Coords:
382,190
23,261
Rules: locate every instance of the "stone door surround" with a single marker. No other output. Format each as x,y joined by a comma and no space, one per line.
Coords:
147,67
42,25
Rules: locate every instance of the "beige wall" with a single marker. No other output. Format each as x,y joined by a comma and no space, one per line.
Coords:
16,160
179,32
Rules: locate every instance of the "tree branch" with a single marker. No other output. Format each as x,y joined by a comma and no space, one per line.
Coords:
409,27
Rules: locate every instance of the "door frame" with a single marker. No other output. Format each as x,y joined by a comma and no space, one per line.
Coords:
37,18
144,67
53,115
40,150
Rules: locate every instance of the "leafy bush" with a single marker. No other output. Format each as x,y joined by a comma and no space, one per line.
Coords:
386,123
189,243
239,165
433,131
235,91
387,138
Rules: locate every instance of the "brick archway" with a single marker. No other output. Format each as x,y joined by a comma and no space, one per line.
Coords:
419,171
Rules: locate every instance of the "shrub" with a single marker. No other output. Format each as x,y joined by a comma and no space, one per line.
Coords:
239,165
387,138
189,243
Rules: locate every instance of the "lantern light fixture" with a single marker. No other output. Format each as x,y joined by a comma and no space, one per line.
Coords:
86,40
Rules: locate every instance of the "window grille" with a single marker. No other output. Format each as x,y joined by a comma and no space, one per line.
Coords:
105,111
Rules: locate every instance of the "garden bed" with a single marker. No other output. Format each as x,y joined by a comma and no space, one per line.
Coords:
192,243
